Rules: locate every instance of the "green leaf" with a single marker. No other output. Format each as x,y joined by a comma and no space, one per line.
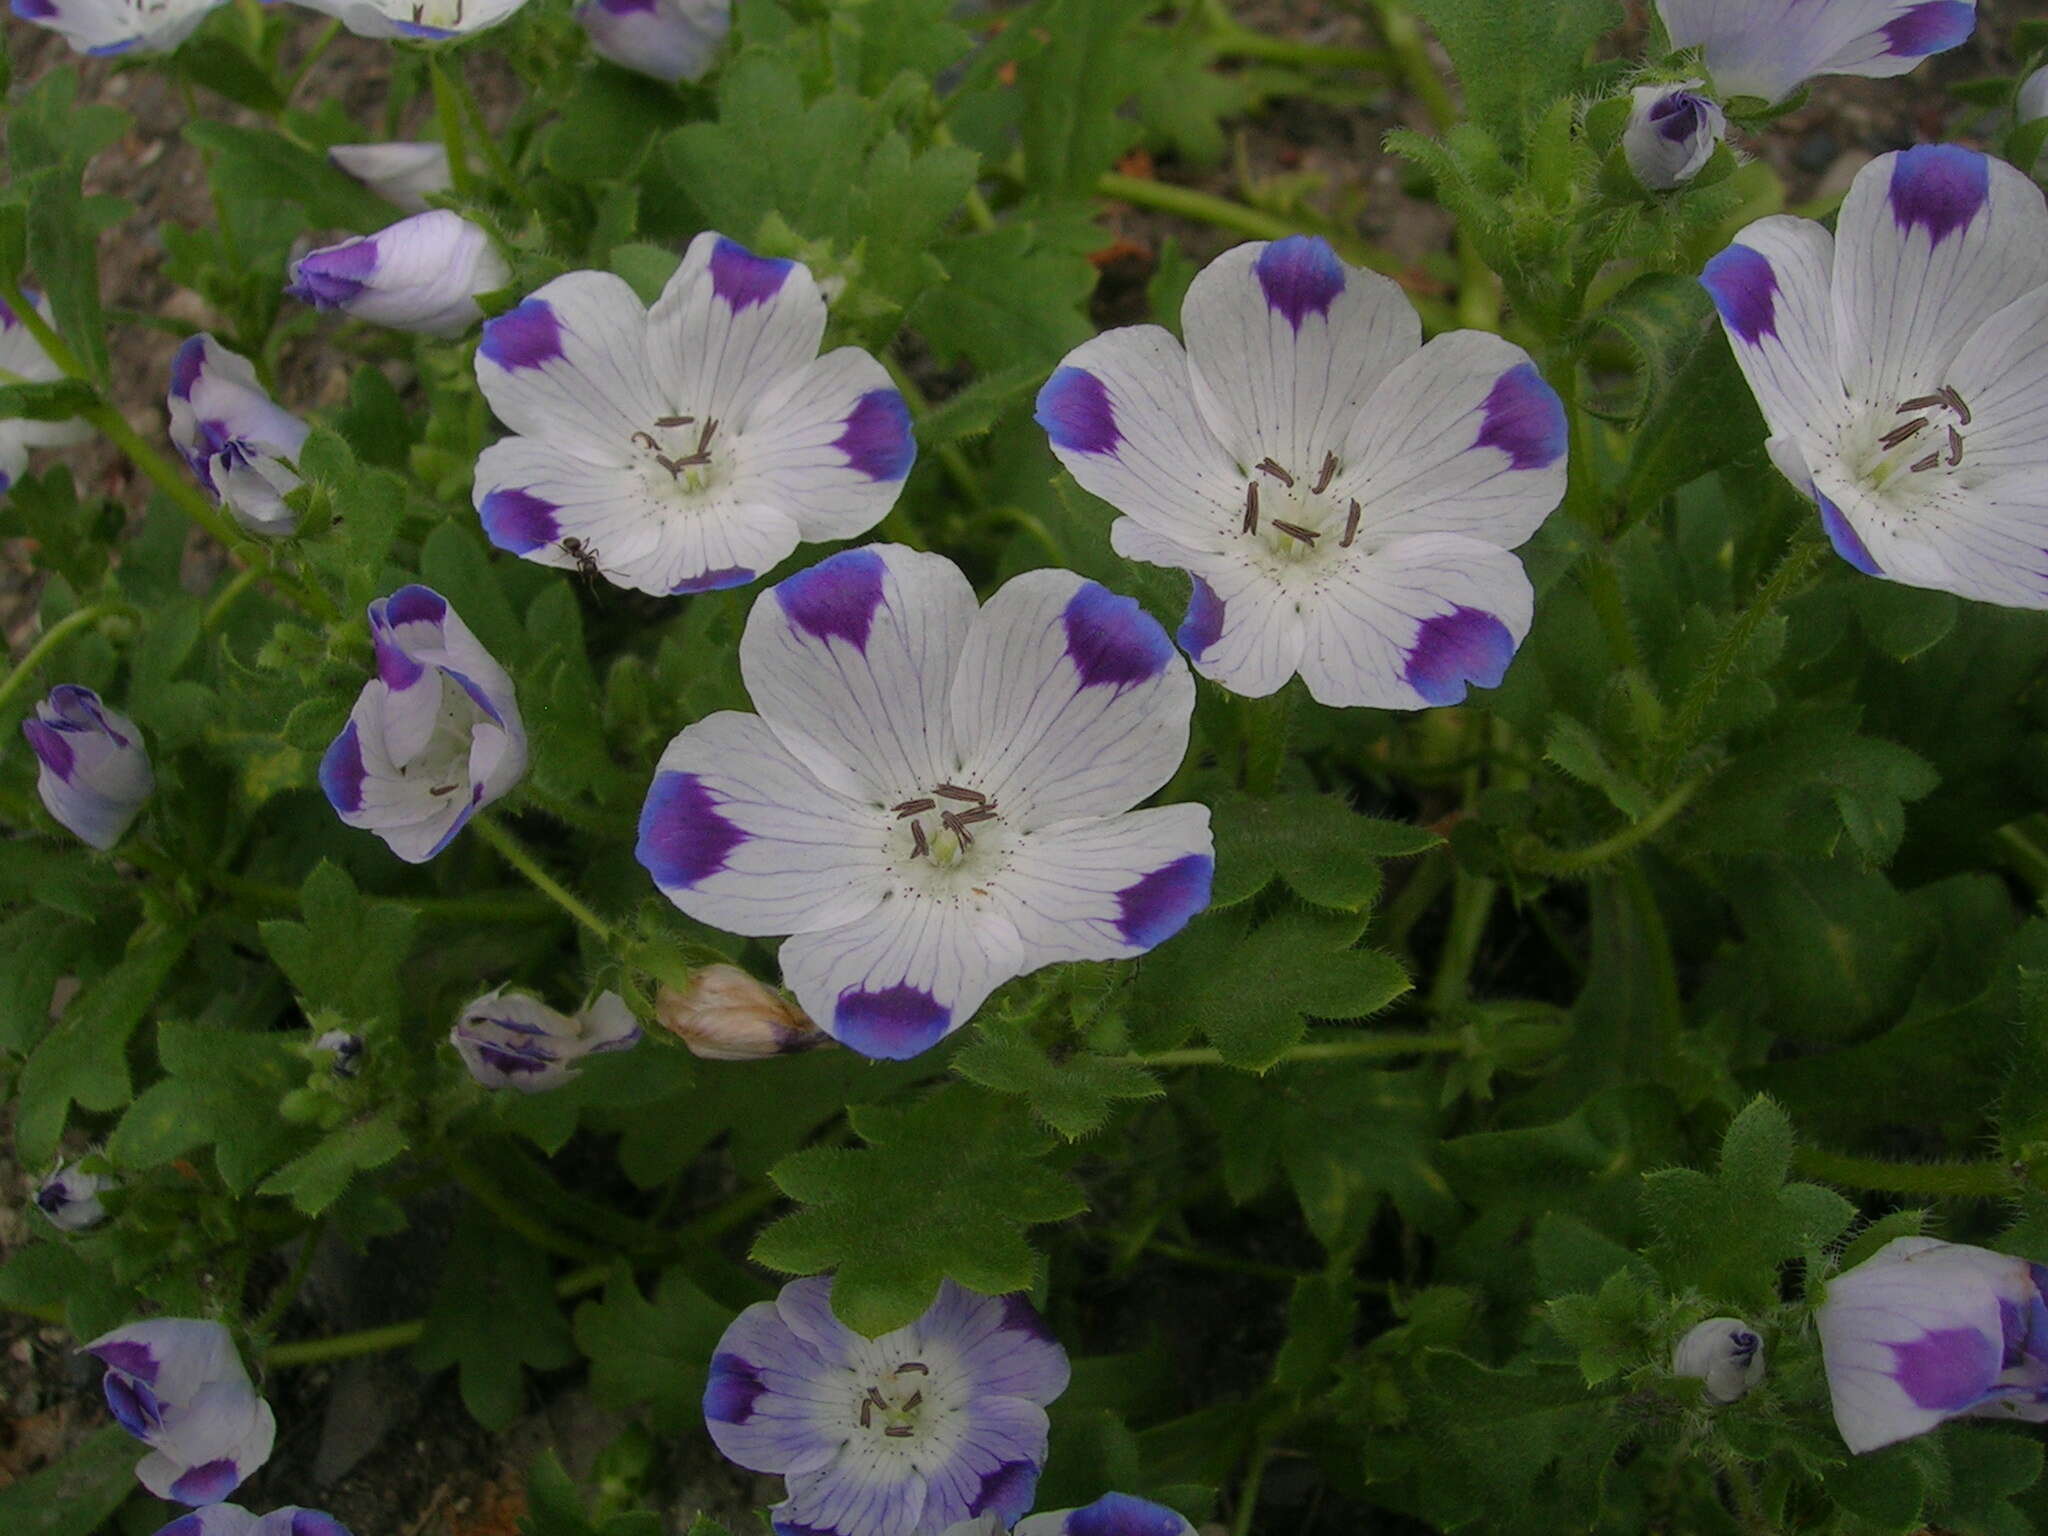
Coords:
222,1090
1012,299
345,956
493,1316
55,1275
646,268
944,1187
52,400
36,948
218,65
251,163
1515,59
1700,414
1320,1318
316,1179
1798,795
1329,855
1903,621
1614,1331
1577,751
456,563
655,1352
970,412
1073,1094
1071,91
76,1495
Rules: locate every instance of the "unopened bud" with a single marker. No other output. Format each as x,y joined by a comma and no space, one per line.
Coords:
1671,133
346,1048
726,1015
1724,1352
70,1197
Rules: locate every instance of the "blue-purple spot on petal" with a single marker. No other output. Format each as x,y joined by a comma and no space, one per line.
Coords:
877,440
1678,116
714,581
516,520
50,747
1301,276
1204,622
1155,908
743,279
1008,1491
734,1384
1848,544
1940,188
193,1524
893,1024
836,598
421,30
311,1522
1524,419
1073,407
1949,1369
187,363
527,335
1120,1514
328,279
341,771
683,837
1112,642
1019,1316
207,1483
627,7
1744,288
34,10
1931,27
415,604
1463,647
132,1404
131,1357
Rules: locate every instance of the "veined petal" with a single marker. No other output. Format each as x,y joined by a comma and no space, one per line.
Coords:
865,1492
1767,47
1772,288
851,663
729,326
1897,34
1000,1342
1068,700
1988,541
104,29
1286,343
740,835
1108,888
769,1402
173,1356
1242,629
569,365
995,1464
532,494
829,445
1416,623
400,173
213,1520
666,39
1114,1514
2002,372
712,547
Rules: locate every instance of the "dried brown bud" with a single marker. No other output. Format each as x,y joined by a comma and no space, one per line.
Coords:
726,1015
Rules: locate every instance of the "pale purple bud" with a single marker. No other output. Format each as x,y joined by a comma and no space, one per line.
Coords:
346,1049
403,173
1725,1353
70,1197
668,39
94,772
236,439
1671,133
177,1385
510,1040
726,1015
421,274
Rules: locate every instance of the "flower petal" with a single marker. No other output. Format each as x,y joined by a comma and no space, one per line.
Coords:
1242,629
771,1402
1108,888
173,1356
1772,288
999,1447
569,365
867,1491
728,327
1000,1342
829,445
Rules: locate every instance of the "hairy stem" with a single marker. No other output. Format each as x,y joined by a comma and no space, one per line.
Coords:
516,853
1980,1181
51,639
1373,1047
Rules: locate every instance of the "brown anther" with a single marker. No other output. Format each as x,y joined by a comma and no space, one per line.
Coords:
442,789
1955,447
1351,524
913,807
1251,509
673,421
867,1411
1268,467
1954,402
1291,529
959,792
979,813
648,439
914,1365
673,466
1325,475
1899,434
1929,462
918,846
899,1431
875,1397
912,1401
1921,403
957,825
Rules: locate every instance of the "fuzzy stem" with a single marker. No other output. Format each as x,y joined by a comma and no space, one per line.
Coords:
515,853
217,610
1543,859
1369,1048
511,1215
51,639
1981,1181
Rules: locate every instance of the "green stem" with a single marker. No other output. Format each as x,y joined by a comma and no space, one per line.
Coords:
51,639
1986,1181
515,853
1373,1047
282,1296
448,113
217,610
1220,1262
511,1215
1543,859
1238,42
978,213
1411,54
321,44
1471,907
494,154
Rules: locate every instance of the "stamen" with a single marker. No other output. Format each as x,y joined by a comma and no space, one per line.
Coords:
957,825
875,1397
913,807
867,1410
673,466
1921,403
673,421
1954,402
914,1365
913,1400
442,789
1955,447
899,1431
1899,434
1268,467
958,792
1325,475
1251,508
1302,534
648,439
702,453
979,813
1929,462
1350,525
918,846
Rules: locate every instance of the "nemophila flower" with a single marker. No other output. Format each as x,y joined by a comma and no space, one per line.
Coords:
237,440
909,1434
1114,1514
726,1015
434,736
690,446
23,360
421,274
934,799
1344,497
511,1040
233,1520
177,1385
104,27
417,20
1725,1353
93,771
344,1049
1923,1331
70,1198
402,173
668,39
1767,47
1902,364
1671,133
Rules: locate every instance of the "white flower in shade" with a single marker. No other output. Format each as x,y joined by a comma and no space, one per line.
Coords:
401,173
1725,1353
177,1385
93,771
1923,1331
1344,497
233,1520
668,39
1671,134
70,1198
421,274
934,799
511,1040
691,446
425,21
1768,47
726,1015
1902,365
237,440
1114,1514
23,359
434,736
910,1434
103,27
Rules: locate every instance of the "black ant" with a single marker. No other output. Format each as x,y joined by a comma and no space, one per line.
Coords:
584,556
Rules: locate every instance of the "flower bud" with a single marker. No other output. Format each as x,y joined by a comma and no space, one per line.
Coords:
1724,1352
668,39
1671,133
236,439
95,773
2031,107
346,1048
420,274
70,1197
510,1040
404,174
177,1385
726,1015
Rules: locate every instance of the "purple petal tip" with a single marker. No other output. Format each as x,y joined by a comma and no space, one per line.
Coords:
1949,1369
683,837
1456,649
1932,27
1112,642
517,521
743,279
1157,907
526,336
836,598
1524,419
1203,624
893,1024
714,581
1301,276
1940,188
877,440
1073,407
341,771
1848,543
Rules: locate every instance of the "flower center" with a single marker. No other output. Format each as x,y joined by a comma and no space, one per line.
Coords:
444,761
1290,519
1925,435
445,14
940,826
678,455
890,1408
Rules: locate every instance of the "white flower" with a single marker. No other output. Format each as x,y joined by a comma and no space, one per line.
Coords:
23,359
1767,47
103,27
93,771
1725,1353
400,173
1671,134
1902,364
511,1040
1923,1331
236,439
70,1198
420,274
934,799
416,20
691,446
177,1385
1344,497
668,39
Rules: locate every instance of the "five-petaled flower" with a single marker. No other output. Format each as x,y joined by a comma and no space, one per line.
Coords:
177,1385
1344,497
668,39
237,440
420,274
92,770
1672,131
22,358
423,21
103,27
909,1434
690,446
512,1040
1902,365
934,799
433,737
1114,1514
1923,1331
233,1520
1767,47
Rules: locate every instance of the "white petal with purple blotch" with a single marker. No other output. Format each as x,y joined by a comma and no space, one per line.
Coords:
1767,47
1242,629
568,364
177,1385
666,39
421,274
728,327
108,27
1000,1343
829,445
237,441
23,356
771,1402
1107,888
93,773
213,1520
1114,1514
532,494
1772,288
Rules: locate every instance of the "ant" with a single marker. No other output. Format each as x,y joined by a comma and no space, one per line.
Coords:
584,556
